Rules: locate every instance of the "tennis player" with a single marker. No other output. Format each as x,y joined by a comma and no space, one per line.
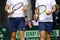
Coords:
17,18
46,18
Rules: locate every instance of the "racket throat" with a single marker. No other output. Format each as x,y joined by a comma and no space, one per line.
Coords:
15,9
39,13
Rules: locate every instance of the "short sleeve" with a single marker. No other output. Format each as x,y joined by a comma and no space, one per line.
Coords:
53,2
25,2
36,3
8,2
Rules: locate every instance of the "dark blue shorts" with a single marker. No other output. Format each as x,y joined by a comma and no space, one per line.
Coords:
45,26
15,24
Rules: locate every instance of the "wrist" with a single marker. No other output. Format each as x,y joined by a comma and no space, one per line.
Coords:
53,11
8,11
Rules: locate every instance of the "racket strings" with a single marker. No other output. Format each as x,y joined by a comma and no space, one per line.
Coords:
42,9
17,6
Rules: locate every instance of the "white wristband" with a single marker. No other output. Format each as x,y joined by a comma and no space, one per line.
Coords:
8,11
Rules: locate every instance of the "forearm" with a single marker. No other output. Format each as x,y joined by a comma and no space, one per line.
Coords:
6,8
36,10
53,8
25,8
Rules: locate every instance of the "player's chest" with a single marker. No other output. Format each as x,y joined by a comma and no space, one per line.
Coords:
13,2
45,2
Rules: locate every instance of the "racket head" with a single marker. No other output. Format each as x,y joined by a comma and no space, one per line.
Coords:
41,9
17,6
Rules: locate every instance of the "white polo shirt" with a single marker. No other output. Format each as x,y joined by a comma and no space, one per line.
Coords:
48,3
19,12
35,23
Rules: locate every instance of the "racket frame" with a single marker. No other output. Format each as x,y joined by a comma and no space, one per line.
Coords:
43,11
18,7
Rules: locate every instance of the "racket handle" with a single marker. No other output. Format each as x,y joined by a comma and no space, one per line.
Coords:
10,12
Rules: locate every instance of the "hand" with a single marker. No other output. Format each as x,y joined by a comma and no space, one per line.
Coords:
30,24
24,10
10,12
48,12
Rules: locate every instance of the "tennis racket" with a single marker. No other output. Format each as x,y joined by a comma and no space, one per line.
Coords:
17,6
41,9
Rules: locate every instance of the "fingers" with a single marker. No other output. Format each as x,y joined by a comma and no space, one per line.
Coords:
48,12
10,12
